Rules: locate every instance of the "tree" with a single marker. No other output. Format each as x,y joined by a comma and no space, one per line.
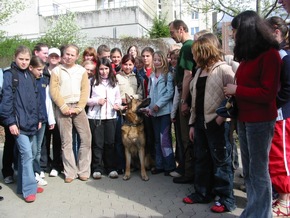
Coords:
159,29
63,30
233,7
9,8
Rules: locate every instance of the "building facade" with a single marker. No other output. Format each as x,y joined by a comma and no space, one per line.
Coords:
106,18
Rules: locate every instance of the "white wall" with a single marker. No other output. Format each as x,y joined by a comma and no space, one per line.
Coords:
25,23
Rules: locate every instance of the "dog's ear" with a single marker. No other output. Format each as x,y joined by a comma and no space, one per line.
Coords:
128,99
145,103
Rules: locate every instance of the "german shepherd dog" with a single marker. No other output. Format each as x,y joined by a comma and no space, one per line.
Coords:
133,135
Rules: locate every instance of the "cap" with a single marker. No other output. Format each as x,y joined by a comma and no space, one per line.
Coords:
54,51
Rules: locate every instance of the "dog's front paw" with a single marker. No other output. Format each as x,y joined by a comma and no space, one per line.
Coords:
126,177
145,177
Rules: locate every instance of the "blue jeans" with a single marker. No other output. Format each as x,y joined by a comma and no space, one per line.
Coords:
164,156
255,141
26,183
36,148
213,163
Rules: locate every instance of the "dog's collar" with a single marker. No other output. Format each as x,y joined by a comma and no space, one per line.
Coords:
132,124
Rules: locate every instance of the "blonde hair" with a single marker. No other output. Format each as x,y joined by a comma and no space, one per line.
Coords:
164,61
205,53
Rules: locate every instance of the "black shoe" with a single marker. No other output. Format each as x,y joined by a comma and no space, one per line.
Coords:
182,180
157,171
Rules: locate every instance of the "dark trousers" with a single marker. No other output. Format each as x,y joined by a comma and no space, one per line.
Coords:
9,154
213,162
119,147
103,139
45,160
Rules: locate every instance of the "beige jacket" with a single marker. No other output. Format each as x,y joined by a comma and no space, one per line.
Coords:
128,84
220,75
69,86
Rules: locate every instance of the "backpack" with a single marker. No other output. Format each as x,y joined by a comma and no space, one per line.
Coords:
15,82
15,79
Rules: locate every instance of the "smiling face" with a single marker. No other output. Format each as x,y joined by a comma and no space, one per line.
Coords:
128,67
42,54
116,58
104,71
157,61
133,51
22,60
70,56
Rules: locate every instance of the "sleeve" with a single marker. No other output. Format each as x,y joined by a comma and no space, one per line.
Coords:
7,113
169,91
176,100
55,91
284,93
85,91
49,108
269,76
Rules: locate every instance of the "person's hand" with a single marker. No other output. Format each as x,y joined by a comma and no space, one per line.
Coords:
102,101
14,130
219,120
230,89
185,109
191,133
51,127
155,108
39,125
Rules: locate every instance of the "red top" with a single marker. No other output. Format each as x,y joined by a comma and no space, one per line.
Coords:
148,73
257,88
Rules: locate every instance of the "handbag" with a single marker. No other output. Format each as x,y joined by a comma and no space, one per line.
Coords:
228,108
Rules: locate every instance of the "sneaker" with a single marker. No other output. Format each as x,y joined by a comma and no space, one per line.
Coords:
175,174
42,175
30,198
218,208
280,210
113,175
53,173
39,190
97,175
39,180
8,180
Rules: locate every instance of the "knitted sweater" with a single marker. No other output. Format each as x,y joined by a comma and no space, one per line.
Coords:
69,86
257,86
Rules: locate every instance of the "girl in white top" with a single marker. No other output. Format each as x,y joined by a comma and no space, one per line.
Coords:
103,105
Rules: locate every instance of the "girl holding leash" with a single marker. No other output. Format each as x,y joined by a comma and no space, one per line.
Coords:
103,104
161,91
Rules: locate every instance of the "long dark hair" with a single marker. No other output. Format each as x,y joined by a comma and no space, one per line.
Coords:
111,77
253,36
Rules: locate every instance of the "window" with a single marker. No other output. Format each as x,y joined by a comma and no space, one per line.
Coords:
55,9
194,30
194,15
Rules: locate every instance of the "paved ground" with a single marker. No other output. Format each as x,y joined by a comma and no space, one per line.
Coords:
158,197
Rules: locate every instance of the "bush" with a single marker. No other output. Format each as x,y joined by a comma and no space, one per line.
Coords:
8,47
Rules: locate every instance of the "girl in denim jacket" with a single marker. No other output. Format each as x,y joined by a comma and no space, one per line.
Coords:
161,91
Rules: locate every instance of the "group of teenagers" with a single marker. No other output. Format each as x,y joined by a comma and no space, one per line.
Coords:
83,107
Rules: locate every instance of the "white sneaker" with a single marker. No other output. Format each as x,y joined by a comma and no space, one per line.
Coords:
39,180
175,174
53,173
42,175
97,175
113,174
8,180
